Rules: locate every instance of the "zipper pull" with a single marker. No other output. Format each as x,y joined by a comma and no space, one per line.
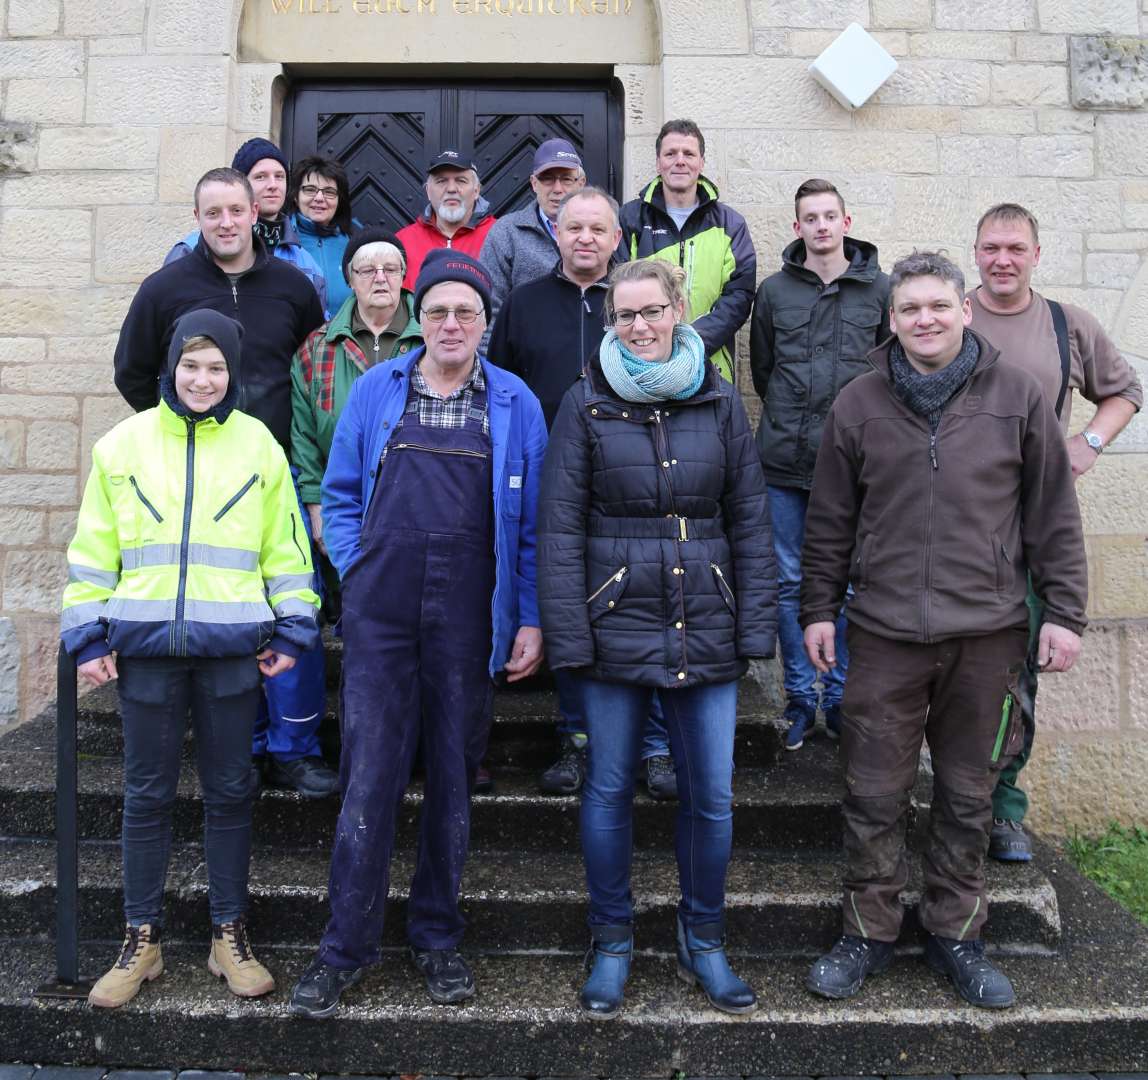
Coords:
933,450
234,294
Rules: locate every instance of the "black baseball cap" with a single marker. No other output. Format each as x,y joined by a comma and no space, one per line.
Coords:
456,159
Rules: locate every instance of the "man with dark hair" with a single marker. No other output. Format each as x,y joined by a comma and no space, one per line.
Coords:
1066,349
813,322
231,271
942,482
456,215
265,167
678,218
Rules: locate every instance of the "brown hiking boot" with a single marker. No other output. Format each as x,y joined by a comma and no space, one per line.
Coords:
231,959
141,960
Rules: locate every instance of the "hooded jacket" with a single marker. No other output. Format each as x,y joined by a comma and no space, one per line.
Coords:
273,303
325,245
547,331
422,235
715,250
655,558
189,540
807,341
938,537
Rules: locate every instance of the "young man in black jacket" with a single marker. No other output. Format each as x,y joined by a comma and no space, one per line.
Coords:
545,333
813,322
230,271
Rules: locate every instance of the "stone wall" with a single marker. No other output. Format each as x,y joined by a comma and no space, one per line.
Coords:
111,109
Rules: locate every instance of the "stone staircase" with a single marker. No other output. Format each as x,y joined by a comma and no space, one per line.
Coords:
1079,963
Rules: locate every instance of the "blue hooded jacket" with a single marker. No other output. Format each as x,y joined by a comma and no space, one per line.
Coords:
518,434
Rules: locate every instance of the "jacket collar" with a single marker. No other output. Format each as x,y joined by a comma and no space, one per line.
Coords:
497,385
262,255
863,265
601,283
478,215
340,325
655,195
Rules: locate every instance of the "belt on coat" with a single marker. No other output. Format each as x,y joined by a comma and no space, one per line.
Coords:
671,527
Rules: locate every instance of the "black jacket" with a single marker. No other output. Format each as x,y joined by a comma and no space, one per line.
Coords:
545,332
655,559
807,341
276,305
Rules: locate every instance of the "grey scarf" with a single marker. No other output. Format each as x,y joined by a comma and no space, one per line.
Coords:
927,395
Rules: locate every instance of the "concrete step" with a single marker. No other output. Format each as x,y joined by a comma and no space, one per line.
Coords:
513,901
1081,1012
523,735
794,804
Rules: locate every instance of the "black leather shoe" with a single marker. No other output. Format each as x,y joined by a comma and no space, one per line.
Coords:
661,780
310,776
842,970
449,980
316,994
977,980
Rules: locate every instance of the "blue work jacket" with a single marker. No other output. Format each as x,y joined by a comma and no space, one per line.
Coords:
518,434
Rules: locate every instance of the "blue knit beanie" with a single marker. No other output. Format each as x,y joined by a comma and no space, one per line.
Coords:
256,150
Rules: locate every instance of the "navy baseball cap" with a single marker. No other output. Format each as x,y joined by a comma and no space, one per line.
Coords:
555,154
454,158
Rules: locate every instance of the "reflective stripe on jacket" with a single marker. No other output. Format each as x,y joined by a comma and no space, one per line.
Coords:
188,545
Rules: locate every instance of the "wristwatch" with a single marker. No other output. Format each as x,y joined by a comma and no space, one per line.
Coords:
1095,442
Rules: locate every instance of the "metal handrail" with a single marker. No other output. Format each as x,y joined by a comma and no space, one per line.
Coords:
67,982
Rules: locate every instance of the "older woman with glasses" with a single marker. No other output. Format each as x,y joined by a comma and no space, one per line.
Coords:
319,203
375,323
656,572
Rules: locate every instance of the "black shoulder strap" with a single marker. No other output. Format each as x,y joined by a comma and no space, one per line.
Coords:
1060,325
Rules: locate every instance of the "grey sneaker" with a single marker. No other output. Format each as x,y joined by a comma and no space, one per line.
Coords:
1008,842
566,775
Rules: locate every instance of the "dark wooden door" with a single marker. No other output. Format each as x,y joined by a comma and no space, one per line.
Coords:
384,133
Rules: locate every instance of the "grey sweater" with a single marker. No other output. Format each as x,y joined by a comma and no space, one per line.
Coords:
517,250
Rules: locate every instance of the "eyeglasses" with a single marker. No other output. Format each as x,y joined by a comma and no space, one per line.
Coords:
651,313
310,190
366,273
464,315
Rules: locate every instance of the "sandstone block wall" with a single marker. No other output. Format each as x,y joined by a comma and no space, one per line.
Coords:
110,110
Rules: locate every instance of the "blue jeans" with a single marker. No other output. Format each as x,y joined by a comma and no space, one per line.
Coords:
572,715
787,508
700,721
155,696
290,714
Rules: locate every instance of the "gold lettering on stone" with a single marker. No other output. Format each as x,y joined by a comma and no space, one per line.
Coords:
426,5
578,5
306,7
461,7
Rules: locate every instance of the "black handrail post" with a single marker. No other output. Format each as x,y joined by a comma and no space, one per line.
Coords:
68,982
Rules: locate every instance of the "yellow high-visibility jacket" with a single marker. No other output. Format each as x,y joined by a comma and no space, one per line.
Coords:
189,543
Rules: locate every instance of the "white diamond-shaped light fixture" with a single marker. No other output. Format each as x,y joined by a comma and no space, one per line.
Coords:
853,67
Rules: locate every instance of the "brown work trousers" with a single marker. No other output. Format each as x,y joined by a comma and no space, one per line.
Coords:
955,694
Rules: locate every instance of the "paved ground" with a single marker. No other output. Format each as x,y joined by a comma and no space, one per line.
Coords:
59,1072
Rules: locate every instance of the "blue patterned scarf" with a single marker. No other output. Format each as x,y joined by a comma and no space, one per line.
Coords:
647,382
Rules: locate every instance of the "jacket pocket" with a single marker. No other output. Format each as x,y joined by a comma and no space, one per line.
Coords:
236,497
791,334
724,588
145,500
606,596
1010,731
514,480
1002,564
859,331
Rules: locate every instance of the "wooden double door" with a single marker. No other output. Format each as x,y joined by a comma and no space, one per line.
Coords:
385,132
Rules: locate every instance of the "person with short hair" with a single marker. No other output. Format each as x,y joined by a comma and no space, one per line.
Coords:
678,218
185,582
522,246
656,574
231,271
266,168
456,215
429,514
813,323
942,482
1078,355
319,209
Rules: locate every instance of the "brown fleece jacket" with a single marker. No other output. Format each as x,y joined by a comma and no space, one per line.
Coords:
938,541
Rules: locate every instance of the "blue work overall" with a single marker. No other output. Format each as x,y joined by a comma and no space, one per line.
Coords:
416,644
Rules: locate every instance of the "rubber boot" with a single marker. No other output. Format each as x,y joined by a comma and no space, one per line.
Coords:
608,962
702,960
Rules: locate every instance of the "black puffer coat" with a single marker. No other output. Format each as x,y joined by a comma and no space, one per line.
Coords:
655,560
